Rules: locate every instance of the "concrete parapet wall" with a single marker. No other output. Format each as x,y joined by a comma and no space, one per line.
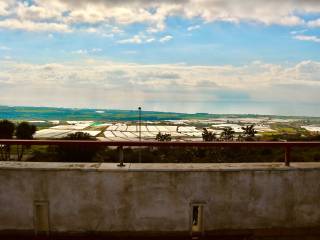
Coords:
157,197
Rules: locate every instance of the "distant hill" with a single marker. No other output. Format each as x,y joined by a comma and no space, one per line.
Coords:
50,113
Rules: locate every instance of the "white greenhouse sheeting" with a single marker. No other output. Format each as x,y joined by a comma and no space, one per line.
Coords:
176,134
50,133
55,122
118,139
122,128
130,134
171,128
153,133
152,128
53,133
112,128
108,134
146,134
72,127
119,134
91,133
187,129
45,131
143,129
162,129
132,128
79,122
311,128
235,127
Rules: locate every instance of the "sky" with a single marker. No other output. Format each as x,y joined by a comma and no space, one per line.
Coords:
215,56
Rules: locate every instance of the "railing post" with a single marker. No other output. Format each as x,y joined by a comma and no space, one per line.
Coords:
287,156
120,151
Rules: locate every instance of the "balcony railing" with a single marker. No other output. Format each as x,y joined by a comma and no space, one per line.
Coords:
286,146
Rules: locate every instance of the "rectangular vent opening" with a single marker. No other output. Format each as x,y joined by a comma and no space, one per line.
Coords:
41,217
196,219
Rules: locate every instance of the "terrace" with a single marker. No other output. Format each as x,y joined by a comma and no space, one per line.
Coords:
147,200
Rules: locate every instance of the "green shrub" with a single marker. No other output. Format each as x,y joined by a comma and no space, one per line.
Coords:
24,131
77,153
6,132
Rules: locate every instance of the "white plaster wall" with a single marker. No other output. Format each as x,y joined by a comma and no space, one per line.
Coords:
156,198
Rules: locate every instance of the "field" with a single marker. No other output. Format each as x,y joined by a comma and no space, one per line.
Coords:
122,125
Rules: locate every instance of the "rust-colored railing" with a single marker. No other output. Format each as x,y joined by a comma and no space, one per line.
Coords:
286,146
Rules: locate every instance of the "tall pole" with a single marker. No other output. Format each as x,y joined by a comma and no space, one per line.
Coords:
139,133
139,124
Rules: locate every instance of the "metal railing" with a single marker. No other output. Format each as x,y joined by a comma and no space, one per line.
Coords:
286,146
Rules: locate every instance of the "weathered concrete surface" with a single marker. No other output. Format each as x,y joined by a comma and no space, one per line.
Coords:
95,197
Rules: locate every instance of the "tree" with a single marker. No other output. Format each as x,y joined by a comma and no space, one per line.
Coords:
166,137
24,131
208,136
77,153
249,133
227,134
6,132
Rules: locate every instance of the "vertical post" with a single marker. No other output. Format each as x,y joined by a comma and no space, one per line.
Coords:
139,134
120,151
287,156
139,124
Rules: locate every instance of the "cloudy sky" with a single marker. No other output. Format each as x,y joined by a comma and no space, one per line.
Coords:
217,56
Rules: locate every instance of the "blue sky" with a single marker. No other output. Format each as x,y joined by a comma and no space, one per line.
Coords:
187,56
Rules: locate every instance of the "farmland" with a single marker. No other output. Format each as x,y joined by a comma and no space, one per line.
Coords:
123,125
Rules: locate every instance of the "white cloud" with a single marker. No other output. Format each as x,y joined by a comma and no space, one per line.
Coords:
33,26
96,50
86,51
307,38
165,38
25,11
137,39
314,23
191,28
90,82
116,30
61,15
4,48
4,7
98,73
149,40
298,31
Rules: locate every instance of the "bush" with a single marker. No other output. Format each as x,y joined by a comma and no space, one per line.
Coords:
6,132
208,136
77,153
24,131
249,133
166,137
227,134
6,129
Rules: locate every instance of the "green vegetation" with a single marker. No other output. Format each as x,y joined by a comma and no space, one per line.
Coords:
79,153
208,136
248,133
24,130
163,137
84,153
227,134
50,113
6,132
